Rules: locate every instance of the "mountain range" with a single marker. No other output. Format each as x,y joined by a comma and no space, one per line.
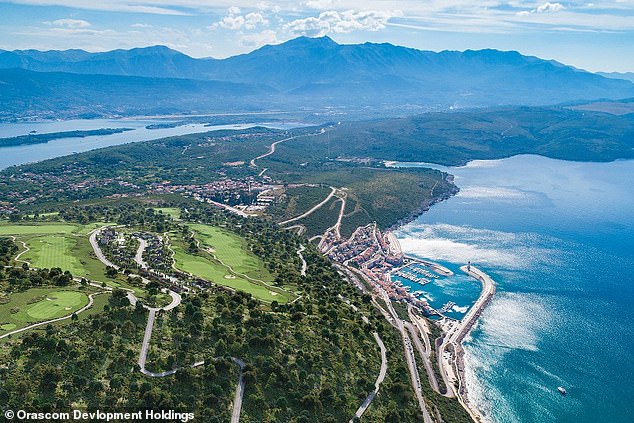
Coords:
303,72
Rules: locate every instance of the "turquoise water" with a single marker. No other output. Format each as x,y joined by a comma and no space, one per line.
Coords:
460,289
558,238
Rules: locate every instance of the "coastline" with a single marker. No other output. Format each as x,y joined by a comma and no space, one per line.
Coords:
453,338
463,329
426,205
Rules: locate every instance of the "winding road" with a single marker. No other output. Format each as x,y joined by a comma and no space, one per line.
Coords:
382,372
95,247
138,258
35,325
304,264
313,209
272,146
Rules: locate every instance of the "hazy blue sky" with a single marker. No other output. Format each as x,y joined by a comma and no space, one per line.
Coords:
594,35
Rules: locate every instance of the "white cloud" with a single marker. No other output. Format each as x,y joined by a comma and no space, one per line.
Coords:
550,8
320,4
70,23
235,20
251,20
341,22
259,39
543,8
231,22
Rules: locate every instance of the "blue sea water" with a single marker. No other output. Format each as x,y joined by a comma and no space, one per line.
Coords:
459,288
558,238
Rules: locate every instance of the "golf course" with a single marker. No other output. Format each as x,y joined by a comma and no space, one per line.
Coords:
219,250
38,304
63,245
231,250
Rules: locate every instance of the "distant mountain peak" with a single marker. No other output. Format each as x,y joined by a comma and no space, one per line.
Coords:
303,40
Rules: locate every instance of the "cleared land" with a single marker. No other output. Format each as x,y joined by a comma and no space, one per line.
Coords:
38,304
173,212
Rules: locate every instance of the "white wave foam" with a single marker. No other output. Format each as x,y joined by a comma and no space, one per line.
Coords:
482,192
458,252
459,309
512,321
459,244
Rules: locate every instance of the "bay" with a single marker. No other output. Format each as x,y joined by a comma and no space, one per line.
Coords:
558,238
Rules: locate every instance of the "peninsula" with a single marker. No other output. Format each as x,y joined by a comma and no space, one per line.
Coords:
34,138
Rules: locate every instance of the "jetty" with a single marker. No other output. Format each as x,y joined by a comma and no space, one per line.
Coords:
438,268
450,352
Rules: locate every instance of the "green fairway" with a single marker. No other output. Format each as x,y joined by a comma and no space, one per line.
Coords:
58,245
214,272
231,250
53,251
39,304
7,229
57,304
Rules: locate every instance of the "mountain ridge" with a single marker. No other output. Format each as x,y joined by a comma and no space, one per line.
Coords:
318,72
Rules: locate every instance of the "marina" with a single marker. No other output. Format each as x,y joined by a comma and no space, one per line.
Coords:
448,292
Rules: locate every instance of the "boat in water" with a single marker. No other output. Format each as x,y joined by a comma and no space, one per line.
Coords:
562,390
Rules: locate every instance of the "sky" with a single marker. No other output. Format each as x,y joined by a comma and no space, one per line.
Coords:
593,35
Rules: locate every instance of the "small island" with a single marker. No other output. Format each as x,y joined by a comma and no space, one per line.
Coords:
34,138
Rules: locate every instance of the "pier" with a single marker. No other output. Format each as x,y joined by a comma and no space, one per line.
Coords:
452,344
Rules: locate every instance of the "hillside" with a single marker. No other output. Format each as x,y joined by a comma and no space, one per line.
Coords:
26,93
456,138
304,72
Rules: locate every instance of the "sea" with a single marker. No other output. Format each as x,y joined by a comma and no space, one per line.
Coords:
20,154
558,239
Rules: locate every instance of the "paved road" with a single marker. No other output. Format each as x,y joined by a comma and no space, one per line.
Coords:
410,358
237,402
424,355
97,249
35,325
301,216
146,338
138,258
425,351
304,264
382,372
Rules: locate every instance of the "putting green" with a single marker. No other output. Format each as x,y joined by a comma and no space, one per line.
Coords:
57,304
38,304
